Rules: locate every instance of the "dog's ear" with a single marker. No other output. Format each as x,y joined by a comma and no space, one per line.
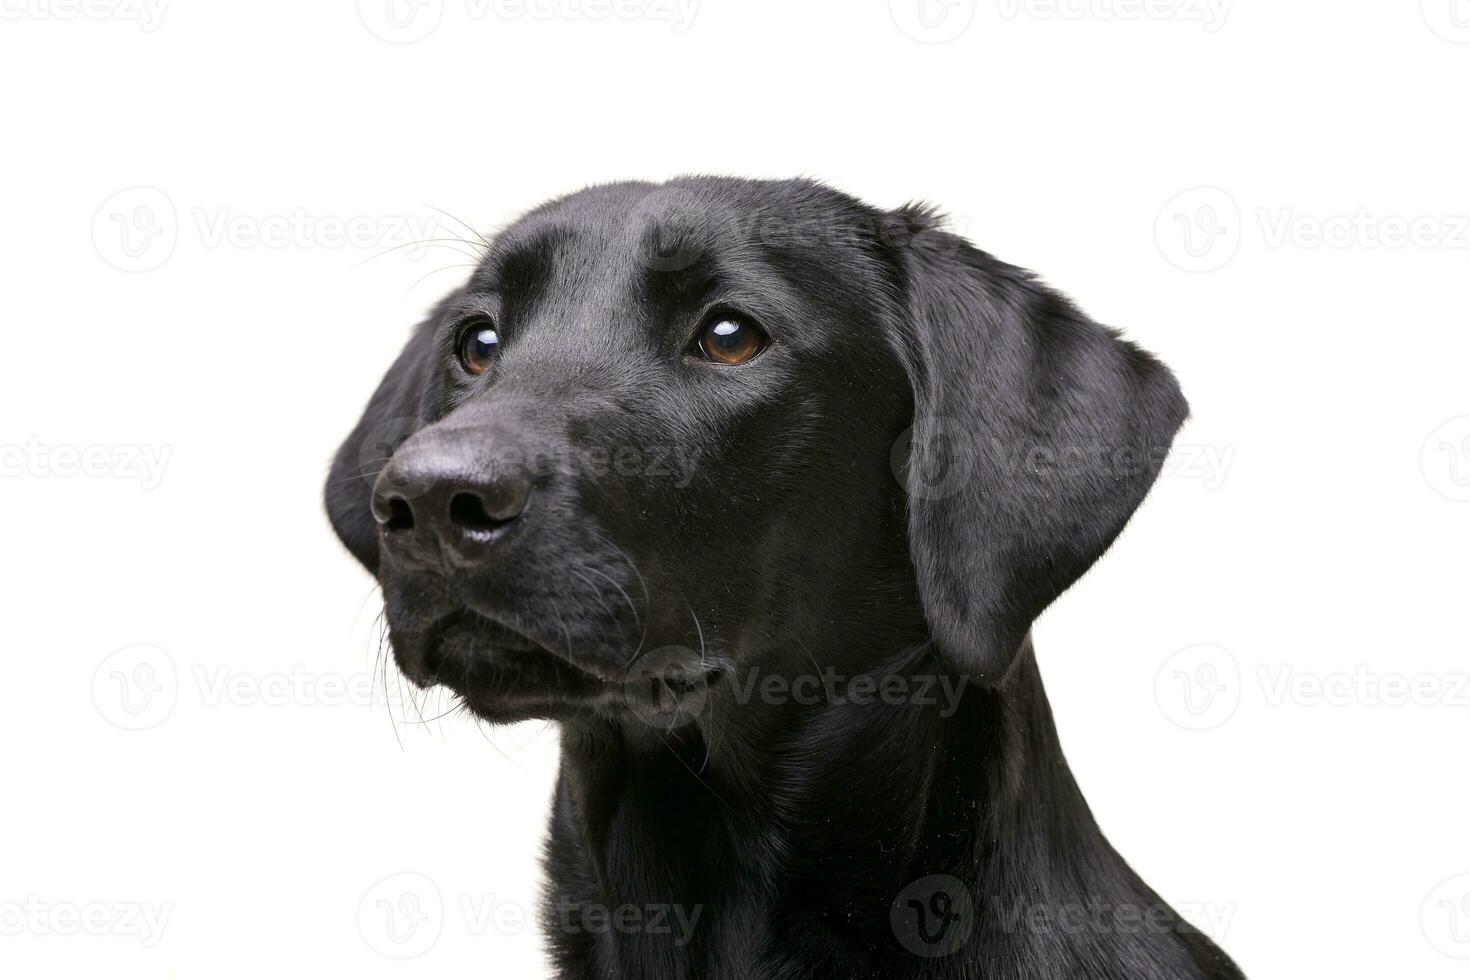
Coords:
1036,435
397,409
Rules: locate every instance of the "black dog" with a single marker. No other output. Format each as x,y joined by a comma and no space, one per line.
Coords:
757,490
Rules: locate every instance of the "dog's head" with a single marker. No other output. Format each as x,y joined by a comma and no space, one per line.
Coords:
677,430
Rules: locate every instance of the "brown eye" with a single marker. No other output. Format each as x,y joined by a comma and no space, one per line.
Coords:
477,347
728,340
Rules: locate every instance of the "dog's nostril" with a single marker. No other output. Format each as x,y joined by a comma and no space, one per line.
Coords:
490,504
468,511
400,515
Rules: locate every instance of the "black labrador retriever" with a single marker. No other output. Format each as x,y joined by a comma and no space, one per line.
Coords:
756,490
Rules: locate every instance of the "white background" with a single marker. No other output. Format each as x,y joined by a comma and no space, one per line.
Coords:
1262,689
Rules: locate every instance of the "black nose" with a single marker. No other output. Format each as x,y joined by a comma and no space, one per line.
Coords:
431,498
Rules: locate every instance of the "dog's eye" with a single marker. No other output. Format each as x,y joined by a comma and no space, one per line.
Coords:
477,346
730,340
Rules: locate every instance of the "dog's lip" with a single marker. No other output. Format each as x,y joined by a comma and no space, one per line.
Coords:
504,674
502,635
508,639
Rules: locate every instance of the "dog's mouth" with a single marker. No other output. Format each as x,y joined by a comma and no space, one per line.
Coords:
492,636
501,673
504,675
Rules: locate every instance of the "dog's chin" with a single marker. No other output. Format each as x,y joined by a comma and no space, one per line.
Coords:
505,676
502,675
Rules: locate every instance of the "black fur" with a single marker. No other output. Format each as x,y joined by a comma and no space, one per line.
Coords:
932,448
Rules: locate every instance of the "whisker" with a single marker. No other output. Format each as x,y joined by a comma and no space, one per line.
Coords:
383,660
709,744
701,782
424,243
642,583
637,620
447,268
464,224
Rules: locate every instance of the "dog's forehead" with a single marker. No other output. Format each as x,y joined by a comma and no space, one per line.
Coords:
779,251
631,227
640,226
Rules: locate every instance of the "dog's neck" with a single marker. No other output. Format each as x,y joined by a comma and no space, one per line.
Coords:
761,842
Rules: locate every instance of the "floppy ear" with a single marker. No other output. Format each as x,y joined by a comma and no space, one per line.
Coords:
1036,435
397,409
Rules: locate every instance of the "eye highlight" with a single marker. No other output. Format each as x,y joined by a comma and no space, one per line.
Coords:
730,339
478,344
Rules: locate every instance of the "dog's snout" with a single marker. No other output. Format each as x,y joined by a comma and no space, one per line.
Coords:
430,499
